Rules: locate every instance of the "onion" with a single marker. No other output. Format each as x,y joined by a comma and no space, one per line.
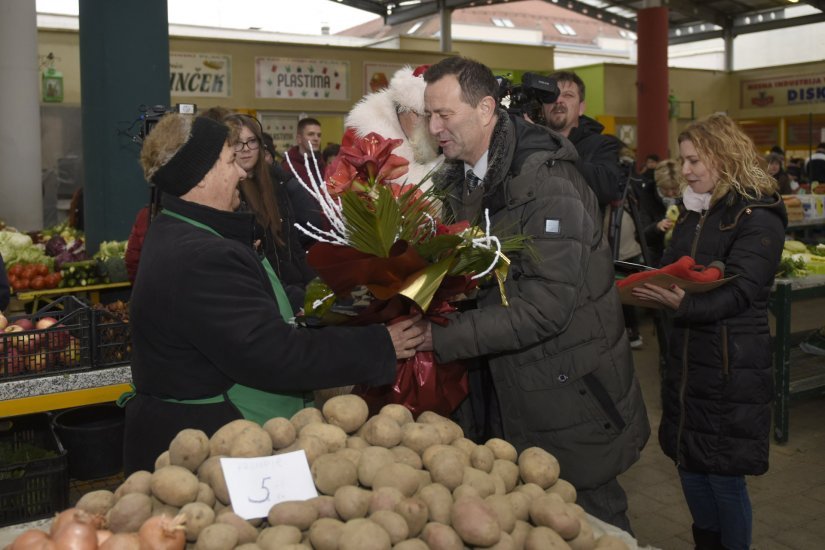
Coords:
103,535
30,540
122,541
163,533
75,535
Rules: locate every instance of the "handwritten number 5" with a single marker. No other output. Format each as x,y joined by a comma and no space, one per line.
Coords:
266,492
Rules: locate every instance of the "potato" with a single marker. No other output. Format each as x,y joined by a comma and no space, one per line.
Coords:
96,502
401,476
205,494
357,442
373,459
385,498
411,544
447,469
246,532
577,510
430,417
324,534
424,478
274,538
507,471
174,485
502,449
504,543
248,546
198,517
519,534
137,482
549,512
439,502
159,508
281,432
464,444
382,431
251,442
348,412
504,511
352,502
312,446
500,488
221,441
465,491
520,504
189,449
415,513
395,525
610,542
482,458
334,437
475,522
482,481
162,460
532,490
544,538
218,536
329,473
325,505
585,540
564,489
205,470
363,534
434,450
448,431
419,436
129,513
399,413
537,466
298,513
320,397
441,537
405,455
306,416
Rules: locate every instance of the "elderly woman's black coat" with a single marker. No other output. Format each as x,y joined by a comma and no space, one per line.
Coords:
718,383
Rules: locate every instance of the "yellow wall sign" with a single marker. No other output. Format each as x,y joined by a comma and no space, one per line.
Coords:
287,78
783,91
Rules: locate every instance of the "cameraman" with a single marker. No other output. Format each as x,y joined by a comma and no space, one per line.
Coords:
598,154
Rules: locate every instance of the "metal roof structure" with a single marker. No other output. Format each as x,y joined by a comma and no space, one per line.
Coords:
689,20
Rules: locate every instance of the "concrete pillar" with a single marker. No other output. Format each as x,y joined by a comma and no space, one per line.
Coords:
21,189
124,63
652,82
446,40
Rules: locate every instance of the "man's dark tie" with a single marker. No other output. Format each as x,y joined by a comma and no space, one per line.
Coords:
473,181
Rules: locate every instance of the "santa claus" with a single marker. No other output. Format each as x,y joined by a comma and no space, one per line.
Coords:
397,112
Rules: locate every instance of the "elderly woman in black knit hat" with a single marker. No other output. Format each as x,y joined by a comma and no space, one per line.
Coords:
211,326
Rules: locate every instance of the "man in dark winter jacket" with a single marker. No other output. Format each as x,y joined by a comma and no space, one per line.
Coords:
557,361
598,158
5,294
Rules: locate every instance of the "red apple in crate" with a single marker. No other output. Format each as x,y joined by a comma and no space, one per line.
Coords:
44,323
3,322
25,324
14,328
57,339
15,363
70,356
36,362
28,342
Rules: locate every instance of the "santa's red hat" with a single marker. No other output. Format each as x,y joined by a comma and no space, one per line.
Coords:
407,88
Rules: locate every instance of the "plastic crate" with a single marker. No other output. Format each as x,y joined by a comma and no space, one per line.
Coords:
65,346
34,479
111,340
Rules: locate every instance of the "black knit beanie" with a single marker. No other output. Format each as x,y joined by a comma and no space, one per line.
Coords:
192,161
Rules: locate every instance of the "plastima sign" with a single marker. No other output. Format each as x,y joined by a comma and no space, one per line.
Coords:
288,78
200,74
783,91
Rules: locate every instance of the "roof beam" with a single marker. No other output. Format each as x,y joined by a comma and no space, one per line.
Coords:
596,13
698,12
371,6
406,14
739,29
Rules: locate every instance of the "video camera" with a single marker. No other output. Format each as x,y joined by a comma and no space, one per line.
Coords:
527,98
151,115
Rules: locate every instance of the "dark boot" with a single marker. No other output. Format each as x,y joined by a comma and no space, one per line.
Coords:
707,540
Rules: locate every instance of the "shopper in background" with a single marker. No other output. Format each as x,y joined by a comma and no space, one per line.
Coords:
5,292
211,336
307,144
815,167
661,210
274,227
554,369
776,169
718,382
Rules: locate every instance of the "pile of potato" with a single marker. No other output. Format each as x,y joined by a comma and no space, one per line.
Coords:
384,482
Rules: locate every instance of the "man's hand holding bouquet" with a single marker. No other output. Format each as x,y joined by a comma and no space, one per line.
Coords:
386,254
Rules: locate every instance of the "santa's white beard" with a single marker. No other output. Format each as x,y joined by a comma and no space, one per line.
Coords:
423,144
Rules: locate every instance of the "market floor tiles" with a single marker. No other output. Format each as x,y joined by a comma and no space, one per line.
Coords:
788,501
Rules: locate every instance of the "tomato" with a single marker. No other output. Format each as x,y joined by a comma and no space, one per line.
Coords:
41,269
38,282
13,282
28,271
15,270
23,283
52,280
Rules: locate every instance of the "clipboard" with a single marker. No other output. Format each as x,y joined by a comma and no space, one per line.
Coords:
665,280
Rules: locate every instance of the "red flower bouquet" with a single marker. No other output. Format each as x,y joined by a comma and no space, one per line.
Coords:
385,254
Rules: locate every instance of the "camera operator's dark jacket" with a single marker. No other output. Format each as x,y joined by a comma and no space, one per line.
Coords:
598,160
558,355
5,294
718,385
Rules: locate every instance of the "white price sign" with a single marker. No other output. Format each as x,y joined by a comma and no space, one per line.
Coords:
257,484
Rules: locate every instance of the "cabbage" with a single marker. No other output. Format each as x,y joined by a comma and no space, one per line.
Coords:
18,248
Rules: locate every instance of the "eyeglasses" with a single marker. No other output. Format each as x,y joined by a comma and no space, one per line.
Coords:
252,144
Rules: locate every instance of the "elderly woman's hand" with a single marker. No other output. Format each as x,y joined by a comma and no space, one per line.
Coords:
406,335
670,297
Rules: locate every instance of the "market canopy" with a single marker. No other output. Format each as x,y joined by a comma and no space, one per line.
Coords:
689,20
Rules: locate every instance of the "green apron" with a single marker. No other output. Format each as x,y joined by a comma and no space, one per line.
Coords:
256,405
